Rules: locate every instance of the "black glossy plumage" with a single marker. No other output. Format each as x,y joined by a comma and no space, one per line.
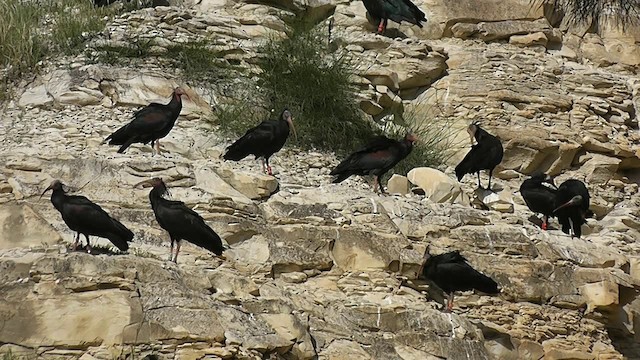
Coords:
540,198
451,272
376,158
86,218
486,154
572,202
396,10
263,140
149,124
181,222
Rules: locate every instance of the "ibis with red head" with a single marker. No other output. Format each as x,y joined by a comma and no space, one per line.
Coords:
149,124
376,158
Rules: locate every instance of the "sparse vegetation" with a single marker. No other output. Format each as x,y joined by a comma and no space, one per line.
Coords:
118,54
596,12
300,72
32,30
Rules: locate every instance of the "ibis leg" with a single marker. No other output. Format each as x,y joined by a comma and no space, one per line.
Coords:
175,258
75,243
571,231
479,184
158,146
379,184
171,251
545,222
449,302
381,26
88,244
268,167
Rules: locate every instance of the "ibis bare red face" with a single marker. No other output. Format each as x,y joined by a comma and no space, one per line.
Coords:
180,92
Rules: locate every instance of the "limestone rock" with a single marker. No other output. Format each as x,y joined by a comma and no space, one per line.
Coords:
398,184
538,38
600,294
437,185
22,227
253,186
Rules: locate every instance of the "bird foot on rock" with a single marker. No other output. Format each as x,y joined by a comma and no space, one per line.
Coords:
544,226
269,171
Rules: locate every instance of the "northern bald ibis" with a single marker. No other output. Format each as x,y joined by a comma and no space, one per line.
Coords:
181,222
451,272
86,218
486,154
539,193
396,10
263,140
572,206
376,158
149,124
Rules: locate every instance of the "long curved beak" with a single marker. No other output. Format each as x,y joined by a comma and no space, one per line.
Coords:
143,182
44,192
576,200
290,121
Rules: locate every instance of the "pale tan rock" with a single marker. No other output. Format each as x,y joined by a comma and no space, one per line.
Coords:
437,185
501,201
59,319
253,186
398,184
418,72
22,227
601,294
534,39
357,250
600,168
35,96
345,350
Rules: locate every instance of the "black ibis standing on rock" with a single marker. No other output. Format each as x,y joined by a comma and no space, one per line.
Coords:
396,10
486,154
572,206
86,218
376,158
451,272
263,140
539,193
181,222
149,124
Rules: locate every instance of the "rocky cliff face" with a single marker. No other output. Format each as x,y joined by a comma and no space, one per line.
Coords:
320,270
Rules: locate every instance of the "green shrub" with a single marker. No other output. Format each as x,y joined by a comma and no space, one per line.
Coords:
32,30
301,73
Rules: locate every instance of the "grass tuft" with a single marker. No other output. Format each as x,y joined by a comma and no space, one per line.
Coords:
33,30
